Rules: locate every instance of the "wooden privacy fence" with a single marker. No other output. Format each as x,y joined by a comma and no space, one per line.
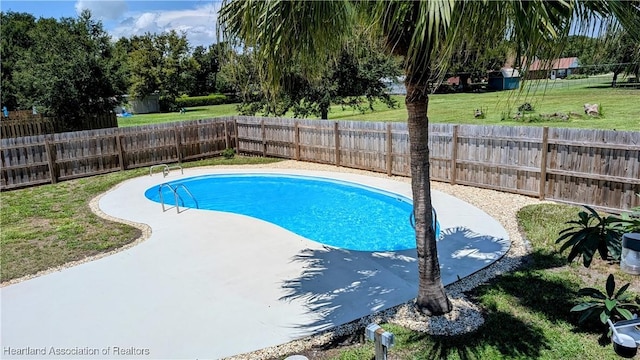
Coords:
593,167
42,159
20,126
25,123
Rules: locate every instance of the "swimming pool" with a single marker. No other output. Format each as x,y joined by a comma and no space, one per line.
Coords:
336,213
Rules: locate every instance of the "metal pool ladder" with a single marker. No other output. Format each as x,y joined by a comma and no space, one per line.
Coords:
176,196
165,169
412,219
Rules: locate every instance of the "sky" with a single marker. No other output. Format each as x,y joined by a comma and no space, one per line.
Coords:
127,17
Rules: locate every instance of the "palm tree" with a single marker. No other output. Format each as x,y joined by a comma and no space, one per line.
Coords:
285,33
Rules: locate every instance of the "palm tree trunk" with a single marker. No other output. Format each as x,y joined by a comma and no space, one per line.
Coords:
432,299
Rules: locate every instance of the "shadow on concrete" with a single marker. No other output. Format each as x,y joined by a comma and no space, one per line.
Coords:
339,286
463,252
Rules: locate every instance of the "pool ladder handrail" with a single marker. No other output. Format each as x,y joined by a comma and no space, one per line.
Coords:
165,169
176,195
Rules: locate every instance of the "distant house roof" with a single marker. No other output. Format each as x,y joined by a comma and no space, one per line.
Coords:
562,63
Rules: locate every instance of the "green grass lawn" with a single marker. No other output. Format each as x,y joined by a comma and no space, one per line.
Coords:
620,107
194,113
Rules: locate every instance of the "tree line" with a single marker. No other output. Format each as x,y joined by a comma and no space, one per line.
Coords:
616,52
67,67
71,68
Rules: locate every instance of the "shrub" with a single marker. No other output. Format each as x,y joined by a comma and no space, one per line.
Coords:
577,76
214,99
167,104
612,305
591,233
228,153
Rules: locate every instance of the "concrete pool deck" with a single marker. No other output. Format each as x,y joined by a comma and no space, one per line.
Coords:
210,284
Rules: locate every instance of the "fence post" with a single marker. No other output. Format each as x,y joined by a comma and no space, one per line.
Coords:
297,141
389,150
119,146
51,159
113,120
178,144
336,133
544,148
264,138
227,138
454,154
235,129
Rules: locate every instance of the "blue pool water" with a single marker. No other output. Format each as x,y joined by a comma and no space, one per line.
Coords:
336,213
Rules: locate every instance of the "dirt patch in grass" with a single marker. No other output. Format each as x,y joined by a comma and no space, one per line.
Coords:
598,272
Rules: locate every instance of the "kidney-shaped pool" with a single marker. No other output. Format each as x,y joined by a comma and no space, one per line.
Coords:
335,213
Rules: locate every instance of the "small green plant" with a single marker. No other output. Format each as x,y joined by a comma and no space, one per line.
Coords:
228,153
591,233
612,305
531,118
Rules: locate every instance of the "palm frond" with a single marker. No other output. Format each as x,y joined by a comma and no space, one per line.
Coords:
283,34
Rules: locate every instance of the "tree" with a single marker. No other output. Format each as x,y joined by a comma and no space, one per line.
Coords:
160,63
359,73
14,41
622,52
473,59
205,70
588,50
355,79
239,75
68,70
424,33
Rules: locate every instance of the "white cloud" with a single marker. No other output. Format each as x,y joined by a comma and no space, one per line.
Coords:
198,24
103,10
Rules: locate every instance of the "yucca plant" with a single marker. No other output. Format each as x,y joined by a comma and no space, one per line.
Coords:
612,305
592,233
